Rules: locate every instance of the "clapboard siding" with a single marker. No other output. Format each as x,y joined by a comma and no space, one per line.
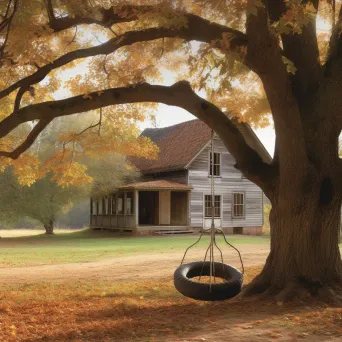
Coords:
196,209
231,180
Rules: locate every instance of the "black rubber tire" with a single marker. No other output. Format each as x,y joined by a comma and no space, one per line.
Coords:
201,291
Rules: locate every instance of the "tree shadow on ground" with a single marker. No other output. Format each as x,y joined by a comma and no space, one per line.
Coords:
145,321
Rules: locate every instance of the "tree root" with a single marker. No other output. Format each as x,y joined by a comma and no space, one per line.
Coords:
331,295
294,291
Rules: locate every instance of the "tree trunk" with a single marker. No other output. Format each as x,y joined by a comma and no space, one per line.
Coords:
305,257
49,227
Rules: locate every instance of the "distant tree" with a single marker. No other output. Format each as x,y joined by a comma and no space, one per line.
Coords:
45,200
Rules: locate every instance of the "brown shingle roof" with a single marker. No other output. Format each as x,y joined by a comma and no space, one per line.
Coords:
179,144
157,185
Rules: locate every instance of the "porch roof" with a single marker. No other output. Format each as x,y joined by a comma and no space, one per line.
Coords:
157,185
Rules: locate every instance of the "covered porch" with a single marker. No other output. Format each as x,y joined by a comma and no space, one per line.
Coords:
143,207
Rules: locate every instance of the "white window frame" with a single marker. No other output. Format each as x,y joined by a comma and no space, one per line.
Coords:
205,207
219,165
243,204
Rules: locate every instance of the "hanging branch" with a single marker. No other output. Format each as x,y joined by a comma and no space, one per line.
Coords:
28,142
98,124
180,94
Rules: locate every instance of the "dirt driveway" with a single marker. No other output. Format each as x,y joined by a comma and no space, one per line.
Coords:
141,267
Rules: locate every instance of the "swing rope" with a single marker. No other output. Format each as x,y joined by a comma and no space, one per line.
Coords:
233,278
213,230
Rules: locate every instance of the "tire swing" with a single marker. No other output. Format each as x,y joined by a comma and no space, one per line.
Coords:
231,278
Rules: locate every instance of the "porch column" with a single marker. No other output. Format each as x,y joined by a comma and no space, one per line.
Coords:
136,207
125,208
188,209
116,210
164,207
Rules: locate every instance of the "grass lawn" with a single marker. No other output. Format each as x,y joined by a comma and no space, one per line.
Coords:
86,245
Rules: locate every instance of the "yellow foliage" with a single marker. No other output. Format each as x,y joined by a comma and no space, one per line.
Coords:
26,168
4,163
71,174
220,75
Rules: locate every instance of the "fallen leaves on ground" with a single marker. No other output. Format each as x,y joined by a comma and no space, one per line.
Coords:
147,311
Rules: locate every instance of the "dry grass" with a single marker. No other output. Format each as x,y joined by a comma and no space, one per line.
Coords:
10,233
151,311
266,229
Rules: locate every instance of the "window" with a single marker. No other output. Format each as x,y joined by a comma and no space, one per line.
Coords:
208,206
238,204
217,164
129,203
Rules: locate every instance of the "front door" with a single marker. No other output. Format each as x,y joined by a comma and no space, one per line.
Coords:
148,208
208,211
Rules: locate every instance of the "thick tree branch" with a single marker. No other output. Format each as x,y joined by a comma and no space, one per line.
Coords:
18,98
28,142
264,49
181,95
50,11
111,16
197,29
301,49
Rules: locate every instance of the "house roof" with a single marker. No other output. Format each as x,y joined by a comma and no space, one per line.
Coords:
157,185
180,144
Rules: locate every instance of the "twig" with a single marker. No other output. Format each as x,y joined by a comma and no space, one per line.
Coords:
65,143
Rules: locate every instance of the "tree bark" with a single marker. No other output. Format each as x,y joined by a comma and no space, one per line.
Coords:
305,258
49,226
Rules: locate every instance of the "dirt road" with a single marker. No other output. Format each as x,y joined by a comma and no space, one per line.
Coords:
141,267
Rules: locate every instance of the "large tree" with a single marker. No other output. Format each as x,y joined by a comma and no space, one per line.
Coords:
249,56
